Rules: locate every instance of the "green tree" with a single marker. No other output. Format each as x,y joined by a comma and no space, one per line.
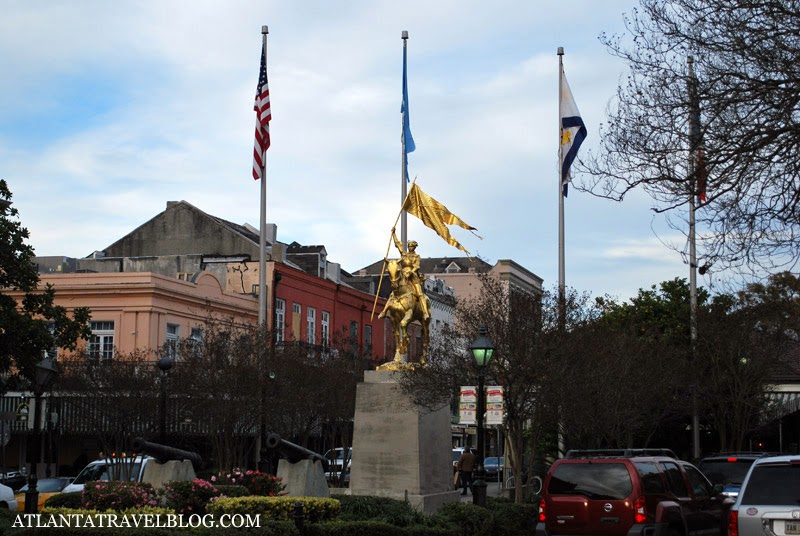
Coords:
30,321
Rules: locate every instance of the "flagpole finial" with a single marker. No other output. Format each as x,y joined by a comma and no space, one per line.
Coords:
404,34
265,29
560,51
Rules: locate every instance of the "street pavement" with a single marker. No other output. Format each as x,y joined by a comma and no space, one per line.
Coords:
493,489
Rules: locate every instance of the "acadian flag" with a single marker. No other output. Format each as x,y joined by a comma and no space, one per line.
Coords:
573,132
434,215
263,117
408,140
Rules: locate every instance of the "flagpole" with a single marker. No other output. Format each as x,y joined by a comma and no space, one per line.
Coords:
383,268
561,284
693,254
262,239
404,157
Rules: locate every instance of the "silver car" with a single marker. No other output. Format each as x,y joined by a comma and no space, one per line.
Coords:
769,501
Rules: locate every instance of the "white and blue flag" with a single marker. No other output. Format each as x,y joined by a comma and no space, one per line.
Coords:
573,132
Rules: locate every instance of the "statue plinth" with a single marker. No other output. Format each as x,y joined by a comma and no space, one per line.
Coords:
400,450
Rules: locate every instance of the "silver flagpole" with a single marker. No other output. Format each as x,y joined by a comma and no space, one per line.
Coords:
561,288
262,240
404,157
561,285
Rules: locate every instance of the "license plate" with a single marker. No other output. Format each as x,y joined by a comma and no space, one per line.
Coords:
792,527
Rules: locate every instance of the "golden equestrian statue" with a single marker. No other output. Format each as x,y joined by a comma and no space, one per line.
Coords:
406,303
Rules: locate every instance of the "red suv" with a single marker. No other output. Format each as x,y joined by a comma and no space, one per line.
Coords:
646,492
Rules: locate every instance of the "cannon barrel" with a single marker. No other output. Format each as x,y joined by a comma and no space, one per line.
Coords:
164,453
292,452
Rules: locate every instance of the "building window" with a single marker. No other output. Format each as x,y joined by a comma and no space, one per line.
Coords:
368,340
353,337
101,343
52,351
173,339
326,328
280,319
196,335
311,326
296,321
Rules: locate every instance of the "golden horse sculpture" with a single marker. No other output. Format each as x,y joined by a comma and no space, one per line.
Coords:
402,308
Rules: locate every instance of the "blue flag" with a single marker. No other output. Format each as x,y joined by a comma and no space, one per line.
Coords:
573,132
408,140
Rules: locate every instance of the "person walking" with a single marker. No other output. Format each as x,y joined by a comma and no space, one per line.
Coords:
466,466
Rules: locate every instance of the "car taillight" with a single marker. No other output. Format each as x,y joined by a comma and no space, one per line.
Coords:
733,460
542,516
733,523
639,511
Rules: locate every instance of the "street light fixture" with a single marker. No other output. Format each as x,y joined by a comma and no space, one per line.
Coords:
164,364
44,377
482,350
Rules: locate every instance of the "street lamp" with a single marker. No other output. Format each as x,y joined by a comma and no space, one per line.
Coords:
46,374
164,364
482,350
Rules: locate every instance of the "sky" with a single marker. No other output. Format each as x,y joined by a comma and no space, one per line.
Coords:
108,110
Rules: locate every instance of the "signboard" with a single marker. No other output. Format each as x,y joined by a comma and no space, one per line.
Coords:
494,405
22,412
468,404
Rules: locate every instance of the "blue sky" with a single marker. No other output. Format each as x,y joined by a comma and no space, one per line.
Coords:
110,109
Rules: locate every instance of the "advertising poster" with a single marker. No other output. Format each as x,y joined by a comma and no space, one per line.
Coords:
468,404
494,405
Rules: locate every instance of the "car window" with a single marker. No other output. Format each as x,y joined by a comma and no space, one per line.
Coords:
699,484
650,477
675,479
726,470
773,484
610,481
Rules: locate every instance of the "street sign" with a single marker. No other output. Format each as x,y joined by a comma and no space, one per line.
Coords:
22,412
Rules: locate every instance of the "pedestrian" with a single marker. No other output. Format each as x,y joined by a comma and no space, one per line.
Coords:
466,466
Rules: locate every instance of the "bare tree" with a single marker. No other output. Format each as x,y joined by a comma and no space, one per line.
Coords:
217,382
115,400
524,329
748,93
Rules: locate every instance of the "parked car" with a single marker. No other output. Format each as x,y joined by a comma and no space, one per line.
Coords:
103,470
14,479
629,492
47,487
338,466
457,452
729,469
769,500
493,467
7,500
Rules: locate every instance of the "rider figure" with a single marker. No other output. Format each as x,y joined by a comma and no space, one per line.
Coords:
409,264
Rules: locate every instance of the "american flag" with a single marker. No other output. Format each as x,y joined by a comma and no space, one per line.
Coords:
263,117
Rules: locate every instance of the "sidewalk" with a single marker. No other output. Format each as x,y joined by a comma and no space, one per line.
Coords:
492,490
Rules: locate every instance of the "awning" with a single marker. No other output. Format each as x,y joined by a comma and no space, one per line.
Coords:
783,403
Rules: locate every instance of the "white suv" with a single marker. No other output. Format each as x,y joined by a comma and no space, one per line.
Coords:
99,470
769,501
7,500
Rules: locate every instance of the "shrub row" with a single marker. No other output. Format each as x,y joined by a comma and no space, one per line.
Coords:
348,515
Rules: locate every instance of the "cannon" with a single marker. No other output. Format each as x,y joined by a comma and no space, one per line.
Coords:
292,452
164,453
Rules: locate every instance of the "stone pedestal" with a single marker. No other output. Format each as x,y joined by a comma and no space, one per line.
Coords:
303,479
400,450
158,473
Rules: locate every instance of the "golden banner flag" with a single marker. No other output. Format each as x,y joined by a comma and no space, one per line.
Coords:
434,215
